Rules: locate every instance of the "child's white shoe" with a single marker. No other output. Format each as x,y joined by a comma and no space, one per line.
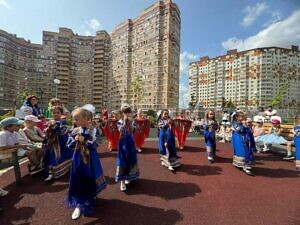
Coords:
76,214
3,192
122,186
210,159
265,149
171,168
49,178
127,181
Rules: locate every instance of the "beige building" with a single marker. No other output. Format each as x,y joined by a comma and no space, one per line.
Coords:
147,48
248,78
21,70
99,69
81,63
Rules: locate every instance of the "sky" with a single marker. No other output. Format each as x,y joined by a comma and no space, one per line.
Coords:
208,27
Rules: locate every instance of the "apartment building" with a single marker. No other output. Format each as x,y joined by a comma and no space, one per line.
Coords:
21,70
81,63
147,48
99,69
248,78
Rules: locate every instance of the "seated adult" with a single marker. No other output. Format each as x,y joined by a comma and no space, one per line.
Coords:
31,103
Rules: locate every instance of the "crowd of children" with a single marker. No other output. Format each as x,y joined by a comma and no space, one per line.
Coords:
56,149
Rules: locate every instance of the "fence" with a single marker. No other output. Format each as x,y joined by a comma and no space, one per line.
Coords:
287,115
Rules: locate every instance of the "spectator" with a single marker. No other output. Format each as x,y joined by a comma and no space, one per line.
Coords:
9,138
225,116
43,122
33,133
259,131
31,102
55,102
270,112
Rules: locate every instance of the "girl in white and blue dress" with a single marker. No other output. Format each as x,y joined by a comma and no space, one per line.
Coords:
86,176
166,142
274,138
127,167
210,128
242,144
297,141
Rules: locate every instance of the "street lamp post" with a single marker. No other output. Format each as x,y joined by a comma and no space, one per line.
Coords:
56,82
25,79
41,97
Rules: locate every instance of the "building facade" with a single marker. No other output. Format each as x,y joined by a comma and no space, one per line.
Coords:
21,69
248,79
99,69
146,52
81,63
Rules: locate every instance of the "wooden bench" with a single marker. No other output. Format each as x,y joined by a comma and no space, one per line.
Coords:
286,130
15,161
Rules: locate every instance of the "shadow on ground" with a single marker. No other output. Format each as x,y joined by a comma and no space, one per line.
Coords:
114,211
163,189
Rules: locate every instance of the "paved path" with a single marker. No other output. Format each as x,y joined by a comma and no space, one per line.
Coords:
199,193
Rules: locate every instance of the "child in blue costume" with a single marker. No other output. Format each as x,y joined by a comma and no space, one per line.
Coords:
297,141
127,168
242,144
166,142
210,128
57,156
86,178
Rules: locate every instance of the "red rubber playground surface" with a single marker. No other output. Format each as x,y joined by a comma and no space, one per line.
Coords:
199,193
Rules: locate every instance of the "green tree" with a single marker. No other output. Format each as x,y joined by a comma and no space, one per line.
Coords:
277,100
137,90
230,105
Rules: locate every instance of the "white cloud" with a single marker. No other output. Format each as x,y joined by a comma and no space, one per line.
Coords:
185,59
252,13
5,4
94,24
183,96
275,17
87,33
280,34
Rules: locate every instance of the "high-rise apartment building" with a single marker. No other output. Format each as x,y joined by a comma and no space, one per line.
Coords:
21,69
147,48
99,69
248,78
81,63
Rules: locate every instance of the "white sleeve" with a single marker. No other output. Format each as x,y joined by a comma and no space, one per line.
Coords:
3,141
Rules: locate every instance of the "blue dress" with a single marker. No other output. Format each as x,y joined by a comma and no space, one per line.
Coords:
86,176
210,138
242,145
272,138
127,168
57,156
166,145
297,145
